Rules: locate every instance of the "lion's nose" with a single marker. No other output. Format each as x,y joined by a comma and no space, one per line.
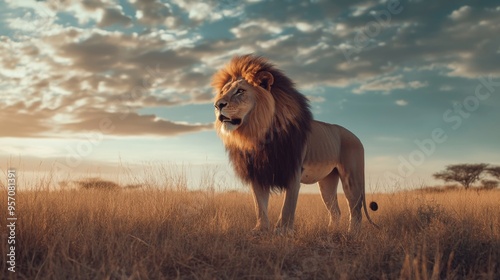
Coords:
220,104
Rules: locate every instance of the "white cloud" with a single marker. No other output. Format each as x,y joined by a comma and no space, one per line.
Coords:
273,42
199,11
385,84
154,13
210,10
304,27
461,13
401,102
417,84
256,28
316,98
388,84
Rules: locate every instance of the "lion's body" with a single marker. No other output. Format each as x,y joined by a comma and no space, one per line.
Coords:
329,147
273,142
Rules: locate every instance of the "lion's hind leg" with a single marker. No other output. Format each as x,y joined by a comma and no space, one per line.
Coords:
328,189
353,185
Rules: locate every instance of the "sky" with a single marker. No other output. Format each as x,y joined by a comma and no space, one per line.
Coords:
104,87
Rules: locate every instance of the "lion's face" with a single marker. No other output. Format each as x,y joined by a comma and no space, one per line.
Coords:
233,104
244,108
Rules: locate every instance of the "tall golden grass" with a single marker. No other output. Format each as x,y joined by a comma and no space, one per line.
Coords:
165,234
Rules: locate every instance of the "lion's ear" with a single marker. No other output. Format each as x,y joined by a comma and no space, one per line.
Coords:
264,79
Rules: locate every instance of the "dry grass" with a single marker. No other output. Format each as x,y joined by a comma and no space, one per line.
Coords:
155,234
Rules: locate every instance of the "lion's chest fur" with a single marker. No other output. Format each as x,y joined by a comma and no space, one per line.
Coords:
277,161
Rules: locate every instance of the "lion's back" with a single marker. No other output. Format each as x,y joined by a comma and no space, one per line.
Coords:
329,142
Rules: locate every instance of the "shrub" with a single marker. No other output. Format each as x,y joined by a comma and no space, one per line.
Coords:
489,184
97,184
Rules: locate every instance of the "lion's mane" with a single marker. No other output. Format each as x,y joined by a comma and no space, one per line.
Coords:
269,155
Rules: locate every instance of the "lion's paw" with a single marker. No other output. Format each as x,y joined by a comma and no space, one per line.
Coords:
284,231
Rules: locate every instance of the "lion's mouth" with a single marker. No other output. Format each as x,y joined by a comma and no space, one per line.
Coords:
223,118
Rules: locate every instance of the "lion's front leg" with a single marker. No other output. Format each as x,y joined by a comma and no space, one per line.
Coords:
287,217
261,200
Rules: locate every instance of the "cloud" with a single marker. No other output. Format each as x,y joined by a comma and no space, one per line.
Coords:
34,121
388,84
210,10
130,124
114,16
316,99
21,120
71,79
417,84
106,61
102,12
401,102
155,13
460,13
304,27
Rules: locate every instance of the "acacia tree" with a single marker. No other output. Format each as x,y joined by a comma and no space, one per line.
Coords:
465,174
494,171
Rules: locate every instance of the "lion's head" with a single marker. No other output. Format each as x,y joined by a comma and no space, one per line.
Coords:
241,104
252,98
261,118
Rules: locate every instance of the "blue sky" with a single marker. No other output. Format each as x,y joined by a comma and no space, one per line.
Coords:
88,86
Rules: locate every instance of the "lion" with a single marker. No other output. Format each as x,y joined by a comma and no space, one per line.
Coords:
274,144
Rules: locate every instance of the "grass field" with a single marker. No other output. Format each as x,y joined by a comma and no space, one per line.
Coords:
160,234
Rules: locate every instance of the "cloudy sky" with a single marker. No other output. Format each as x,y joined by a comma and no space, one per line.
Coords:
86,86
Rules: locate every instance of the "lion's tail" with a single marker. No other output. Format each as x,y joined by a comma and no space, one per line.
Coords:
374,207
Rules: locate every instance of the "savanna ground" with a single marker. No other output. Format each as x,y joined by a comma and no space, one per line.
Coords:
166,234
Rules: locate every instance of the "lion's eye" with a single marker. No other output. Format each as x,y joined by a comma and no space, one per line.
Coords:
239,91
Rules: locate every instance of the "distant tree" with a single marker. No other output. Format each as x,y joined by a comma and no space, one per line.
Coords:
489,184
97,184
494,171
465,174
